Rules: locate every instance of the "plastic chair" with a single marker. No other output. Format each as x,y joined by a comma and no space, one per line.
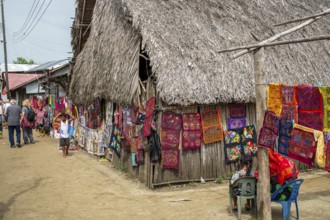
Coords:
286,205
248,191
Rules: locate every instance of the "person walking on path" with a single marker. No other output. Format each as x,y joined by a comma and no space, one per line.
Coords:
28,121
64,132
5,106
13,115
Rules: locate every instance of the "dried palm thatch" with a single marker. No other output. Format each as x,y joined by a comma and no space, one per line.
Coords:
182,37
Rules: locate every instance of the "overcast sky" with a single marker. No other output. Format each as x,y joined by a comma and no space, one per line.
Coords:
50,39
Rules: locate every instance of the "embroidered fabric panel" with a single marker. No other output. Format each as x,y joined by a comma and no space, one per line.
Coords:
170,159
311,119
271,121
283,145
171,130
267,138
327,157
274,100
115,142
288,95
285,132
233,153
290,112
140,157
212,127
302,146
237,110
325,91
309,98
234,123
150,105
192,131
250,148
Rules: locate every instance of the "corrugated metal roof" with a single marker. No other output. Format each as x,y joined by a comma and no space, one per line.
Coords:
50,65
17,67
17,80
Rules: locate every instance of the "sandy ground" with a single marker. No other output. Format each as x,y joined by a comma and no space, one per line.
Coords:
36,182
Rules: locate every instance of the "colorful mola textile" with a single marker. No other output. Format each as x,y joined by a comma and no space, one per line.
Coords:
233,146
274,100
327,157
271,121
290,112
192,131
288,95
171,130
212,127
150,105
249,141
237,110
285,131
309,98
234,123
303,145
170,159
115,142
267,138
320,149
325,91
311,119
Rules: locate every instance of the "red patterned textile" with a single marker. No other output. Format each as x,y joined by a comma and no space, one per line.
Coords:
171,130
237,110
170,159
192,131
267,138
288,95
290,112
150,105
271,121
309,98
303,145
311,119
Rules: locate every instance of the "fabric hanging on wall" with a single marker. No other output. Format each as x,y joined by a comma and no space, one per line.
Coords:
140,157
233,147
271,121
311,119
170,159
267,138
133,160
325,91
235,123
249,141
171,130
115,142
192,131
285,131
303,145
327,157
274,99
120,118
150,105
212,127
237,110
320,149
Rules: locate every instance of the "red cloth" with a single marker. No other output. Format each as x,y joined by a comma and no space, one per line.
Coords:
281,167
192,131
150,105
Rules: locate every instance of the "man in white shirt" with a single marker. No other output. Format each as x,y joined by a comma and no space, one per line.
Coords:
4,109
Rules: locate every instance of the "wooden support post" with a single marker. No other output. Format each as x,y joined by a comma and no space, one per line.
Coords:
263,189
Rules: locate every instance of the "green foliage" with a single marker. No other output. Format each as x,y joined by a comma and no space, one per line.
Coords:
221,179
22,60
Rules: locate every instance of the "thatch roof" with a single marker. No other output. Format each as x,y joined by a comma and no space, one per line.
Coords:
182,37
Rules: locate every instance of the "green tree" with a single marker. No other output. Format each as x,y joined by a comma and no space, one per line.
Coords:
22,60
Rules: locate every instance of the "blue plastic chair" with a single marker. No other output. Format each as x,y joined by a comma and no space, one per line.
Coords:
286,205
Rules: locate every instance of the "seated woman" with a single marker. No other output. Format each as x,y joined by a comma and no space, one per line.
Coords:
245,171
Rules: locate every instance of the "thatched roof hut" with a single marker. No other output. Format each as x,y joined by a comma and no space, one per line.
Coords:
181,39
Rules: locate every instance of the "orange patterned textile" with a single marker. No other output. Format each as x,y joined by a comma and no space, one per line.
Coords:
274,100
212,127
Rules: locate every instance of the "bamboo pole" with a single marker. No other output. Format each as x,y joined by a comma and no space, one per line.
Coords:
326,12
263,198
278,43
277,36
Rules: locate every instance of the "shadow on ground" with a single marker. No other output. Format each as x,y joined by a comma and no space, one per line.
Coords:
5,207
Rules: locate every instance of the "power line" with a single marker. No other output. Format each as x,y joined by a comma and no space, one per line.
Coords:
28,18
31,23
26,34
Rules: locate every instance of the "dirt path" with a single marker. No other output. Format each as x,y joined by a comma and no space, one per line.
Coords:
37,183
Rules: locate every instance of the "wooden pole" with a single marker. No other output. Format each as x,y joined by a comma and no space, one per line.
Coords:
5,49
263,188
278,43
277,36
326,12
